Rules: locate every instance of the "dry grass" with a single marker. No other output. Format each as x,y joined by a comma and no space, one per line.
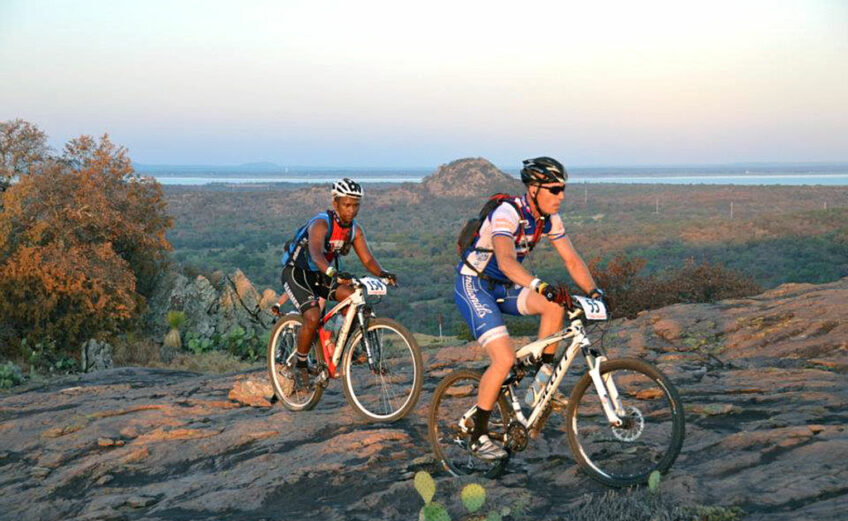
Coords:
216,362
134,352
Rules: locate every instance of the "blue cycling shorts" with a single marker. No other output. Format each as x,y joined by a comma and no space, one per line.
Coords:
482,305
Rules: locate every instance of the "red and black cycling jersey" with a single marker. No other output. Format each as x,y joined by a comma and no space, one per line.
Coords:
337,241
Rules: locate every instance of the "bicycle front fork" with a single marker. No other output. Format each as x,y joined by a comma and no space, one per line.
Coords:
370,348
606,389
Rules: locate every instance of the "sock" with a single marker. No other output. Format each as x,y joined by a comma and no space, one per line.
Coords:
547,358
302,360
481,423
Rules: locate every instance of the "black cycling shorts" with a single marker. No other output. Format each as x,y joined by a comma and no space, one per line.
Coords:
305,287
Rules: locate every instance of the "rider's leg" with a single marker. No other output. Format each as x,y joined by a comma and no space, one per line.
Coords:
478,307
503,358
311,317
552,315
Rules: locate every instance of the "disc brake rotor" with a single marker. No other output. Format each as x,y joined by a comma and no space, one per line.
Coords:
634,424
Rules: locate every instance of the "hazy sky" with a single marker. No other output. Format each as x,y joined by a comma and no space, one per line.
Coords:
363,83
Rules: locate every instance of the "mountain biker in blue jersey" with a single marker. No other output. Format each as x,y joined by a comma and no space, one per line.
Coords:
311,269
490,281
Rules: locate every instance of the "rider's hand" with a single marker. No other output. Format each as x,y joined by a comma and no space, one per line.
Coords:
344,277
391,278
556,294
598,294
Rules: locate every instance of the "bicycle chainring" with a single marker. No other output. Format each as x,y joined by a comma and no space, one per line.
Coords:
517,436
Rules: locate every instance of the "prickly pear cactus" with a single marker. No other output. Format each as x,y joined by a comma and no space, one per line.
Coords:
473,496
425,486
494,515
654,482
433,511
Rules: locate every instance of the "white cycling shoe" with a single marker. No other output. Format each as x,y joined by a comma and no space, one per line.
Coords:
485,449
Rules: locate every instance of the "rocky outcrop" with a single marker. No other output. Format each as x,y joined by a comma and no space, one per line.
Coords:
763,382
470,177
216,312
96,356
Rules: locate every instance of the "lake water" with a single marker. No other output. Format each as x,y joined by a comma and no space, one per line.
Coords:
783,178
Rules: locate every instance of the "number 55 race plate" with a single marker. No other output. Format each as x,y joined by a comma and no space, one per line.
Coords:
594,309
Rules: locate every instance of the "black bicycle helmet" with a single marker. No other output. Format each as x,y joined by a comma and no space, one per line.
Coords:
542,170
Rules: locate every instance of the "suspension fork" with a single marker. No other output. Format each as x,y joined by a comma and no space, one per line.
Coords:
364,316
606,389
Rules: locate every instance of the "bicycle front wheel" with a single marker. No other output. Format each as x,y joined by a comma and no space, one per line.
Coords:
454,401
293,393
651,436
386,387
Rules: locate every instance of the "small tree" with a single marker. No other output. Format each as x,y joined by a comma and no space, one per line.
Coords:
22,145
82,238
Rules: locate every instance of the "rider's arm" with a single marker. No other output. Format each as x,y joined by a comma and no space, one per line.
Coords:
317,232
360,246
508,260
574,264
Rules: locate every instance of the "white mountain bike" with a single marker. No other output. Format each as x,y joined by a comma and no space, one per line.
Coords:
379,359
624,418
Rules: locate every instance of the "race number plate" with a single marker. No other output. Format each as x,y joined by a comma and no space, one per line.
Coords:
594,309
374,286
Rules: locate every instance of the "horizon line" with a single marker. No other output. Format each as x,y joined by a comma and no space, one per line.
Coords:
260,164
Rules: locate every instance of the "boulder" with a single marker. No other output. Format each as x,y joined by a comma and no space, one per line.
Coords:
201,304
96,356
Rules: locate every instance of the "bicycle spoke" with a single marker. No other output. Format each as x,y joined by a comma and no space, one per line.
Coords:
649,438
454,398
386,388
288,384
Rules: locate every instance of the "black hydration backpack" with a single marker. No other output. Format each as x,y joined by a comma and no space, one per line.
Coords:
471,230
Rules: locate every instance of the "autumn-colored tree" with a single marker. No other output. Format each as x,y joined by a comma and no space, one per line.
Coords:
22,146
631,292
82,238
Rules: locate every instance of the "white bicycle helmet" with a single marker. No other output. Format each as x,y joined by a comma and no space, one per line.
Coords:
347,188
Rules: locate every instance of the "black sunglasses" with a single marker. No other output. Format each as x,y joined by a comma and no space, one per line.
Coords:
554,190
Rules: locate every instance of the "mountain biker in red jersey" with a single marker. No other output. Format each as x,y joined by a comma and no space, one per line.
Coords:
490,281
311,268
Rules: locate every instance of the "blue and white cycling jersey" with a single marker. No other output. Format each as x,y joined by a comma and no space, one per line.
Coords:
482,303
506,221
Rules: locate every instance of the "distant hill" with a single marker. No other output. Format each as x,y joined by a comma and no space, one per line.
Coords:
470,177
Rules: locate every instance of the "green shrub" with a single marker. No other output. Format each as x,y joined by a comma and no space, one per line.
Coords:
245,344
197,344
45,358
10,375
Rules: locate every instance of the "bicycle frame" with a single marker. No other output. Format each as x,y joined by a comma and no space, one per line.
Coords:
356,310
579,342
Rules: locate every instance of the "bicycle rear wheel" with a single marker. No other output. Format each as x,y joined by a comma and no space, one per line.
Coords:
649,440
387,388
455,396
281,358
